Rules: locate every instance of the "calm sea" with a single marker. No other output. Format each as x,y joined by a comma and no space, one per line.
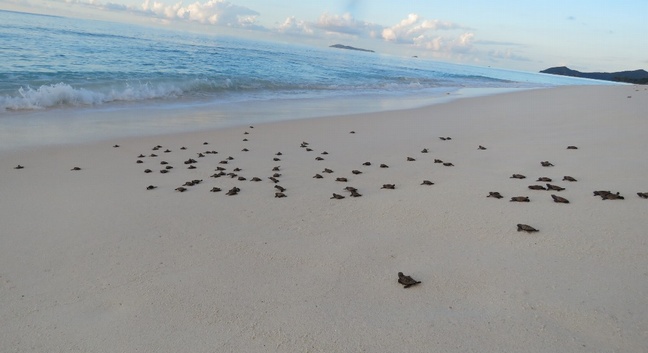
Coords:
51,64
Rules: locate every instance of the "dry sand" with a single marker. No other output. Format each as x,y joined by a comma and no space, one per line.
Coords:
92,261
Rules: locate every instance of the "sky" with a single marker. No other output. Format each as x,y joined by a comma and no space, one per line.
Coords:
528,35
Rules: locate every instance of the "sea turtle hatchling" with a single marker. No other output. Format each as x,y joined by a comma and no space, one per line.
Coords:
407,281
525,227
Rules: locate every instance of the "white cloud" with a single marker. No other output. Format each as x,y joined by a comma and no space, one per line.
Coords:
413,27
216,12
293,26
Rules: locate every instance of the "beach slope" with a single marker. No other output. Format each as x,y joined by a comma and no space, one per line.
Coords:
93,261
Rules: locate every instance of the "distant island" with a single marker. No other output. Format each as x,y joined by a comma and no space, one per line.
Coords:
637,76
340,46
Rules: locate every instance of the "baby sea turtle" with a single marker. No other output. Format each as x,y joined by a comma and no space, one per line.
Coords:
425,150
192,167
237,169
354,193
181,189
276,159
554,187
153,155
190,161
245,150
280,188
356,172
442,138
141,156
517,176
275,169
164,171
568,178
167,151
279,195
115,146
76,168
572,147
545,179
147,171
559,199
230,158
324,153
275,180
19,167
183,148
278,154
366,163
242,178
448,164
526,228
151,187
205,143
319,158
337,196
326,170
427,182
519,199
215,189
350,188
233,191
410,159
643,195
255,179
481,147
344,180
352,132
308,149
317,176
495,194
389,186
537,187
546,164
437,160
612,196
407,281
384,166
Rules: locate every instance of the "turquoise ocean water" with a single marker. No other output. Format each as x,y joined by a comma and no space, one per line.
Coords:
50,65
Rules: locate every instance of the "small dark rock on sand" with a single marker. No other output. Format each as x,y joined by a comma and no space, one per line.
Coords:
407,281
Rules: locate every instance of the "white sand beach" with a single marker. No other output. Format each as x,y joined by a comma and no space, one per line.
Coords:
92,261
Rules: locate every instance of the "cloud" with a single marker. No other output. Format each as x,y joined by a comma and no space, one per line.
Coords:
506,54
215,12
294,26
346,24
413,27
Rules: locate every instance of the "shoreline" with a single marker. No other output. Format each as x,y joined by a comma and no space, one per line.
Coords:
91,260
31,129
